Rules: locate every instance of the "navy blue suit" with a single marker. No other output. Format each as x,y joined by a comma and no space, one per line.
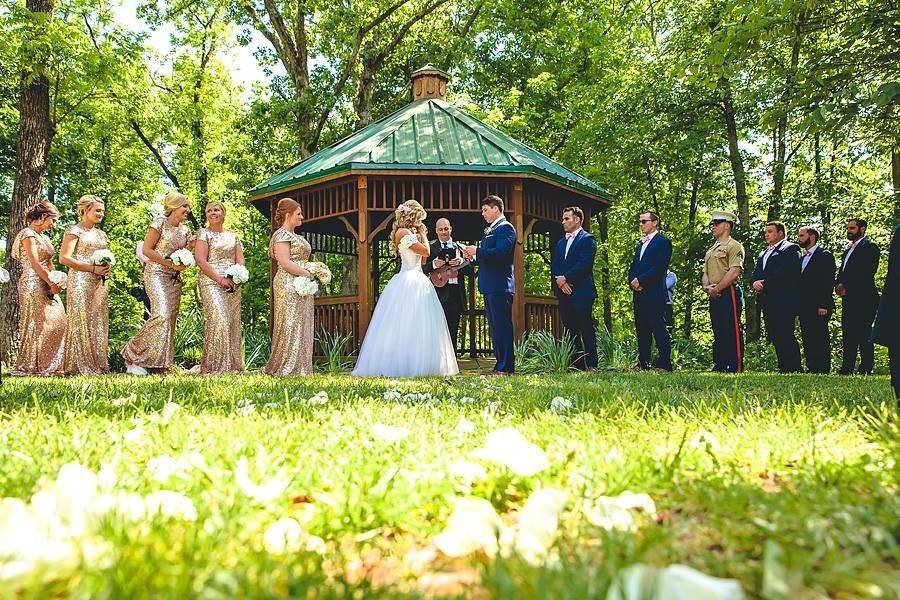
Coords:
576,309
650,303
780,301
859,305
495,282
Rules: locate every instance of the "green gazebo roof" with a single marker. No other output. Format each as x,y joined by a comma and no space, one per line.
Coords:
428,134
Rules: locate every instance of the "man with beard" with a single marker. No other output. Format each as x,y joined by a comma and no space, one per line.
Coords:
859,298
816,302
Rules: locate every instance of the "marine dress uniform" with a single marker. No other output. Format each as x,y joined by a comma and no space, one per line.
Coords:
725,311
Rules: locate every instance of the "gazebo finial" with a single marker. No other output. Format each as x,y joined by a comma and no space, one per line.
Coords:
429,82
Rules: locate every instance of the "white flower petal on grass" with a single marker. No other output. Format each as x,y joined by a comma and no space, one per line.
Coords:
509,448
171,505
536,527
262,492
704,439
284,535
560,405
468,471
464,426
170,410
474,525
319,399
388,433
675,582
618,512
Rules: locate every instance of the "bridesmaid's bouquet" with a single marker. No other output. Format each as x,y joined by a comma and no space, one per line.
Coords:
319,271
103,257
182,257
304,286
59,278
4,275
237,274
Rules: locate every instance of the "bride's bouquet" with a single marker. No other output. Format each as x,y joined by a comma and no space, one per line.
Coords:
304,286
238,274
103,257
319,271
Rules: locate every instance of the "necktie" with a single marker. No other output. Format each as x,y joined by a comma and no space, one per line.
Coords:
569,236
645,239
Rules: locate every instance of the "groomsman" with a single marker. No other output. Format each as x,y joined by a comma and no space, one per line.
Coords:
859,298
722,267
776,281
453,293
494,256
816,302
572,269
647,278
887,324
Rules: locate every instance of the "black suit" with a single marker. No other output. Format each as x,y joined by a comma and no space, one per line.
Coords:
781,279
859,305
451,295
816,291
887,325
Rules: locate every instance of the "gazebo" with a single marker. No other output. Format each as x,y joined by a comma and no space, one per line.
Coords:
448,161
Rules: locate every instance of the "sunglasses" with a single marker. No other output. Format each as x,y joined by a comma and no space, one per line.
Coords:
717,221
642,221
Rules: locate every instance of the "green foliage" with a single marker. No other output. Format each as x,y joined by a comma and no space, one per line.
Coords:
541,352
335,349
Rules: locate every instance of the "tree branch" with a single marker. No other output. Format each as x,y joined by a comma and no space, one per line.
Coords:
159,159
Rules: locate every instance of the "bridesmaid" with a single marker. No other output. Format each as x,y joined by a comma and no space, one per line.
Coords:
42,317
217,250
87,329
153,347
292,331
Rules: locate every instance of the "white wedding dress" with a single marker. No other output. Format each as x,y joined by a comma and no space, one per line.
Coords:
408,335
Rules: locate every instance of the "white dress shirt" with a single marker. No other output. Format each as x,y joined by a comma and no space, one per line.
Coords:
646,243
493,226
769,251
807,257
570,241
850,251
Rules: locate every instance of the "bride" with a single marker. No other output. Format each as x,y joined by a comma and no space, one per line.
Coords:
408,334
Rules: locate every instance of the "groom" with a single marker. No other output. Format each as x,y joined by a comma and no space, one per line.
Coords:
494,256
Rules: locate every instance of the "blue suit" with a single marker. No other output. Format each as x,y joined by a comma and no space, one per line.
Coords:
650,303
779,300
576,309
495,282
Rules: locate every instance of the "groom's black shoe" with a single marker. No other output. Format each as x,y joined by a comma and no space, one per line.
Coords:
493,373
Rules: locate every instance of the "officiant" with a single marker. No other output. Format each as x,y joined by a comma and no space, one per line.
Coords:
447,270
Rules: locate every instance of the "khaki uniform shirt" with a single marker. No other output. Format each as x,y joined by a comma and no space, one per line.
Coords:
721,258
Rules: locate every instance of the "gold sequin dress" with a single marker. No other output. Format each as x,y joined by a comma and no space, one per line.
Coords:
87,329
153,347
42,316
292,331
222,343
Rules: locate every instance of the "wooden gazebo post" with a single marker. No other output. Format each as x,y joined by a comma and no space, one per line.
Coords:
362,263
517,208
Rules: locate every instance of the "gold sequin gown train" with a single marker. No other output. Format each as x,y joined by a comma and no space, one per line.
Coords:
42,317
87,296
292,331
153,347
222,340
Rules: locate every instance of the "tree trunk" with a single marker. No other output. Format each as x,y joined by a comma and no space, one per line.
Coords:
651,184
689,273
35,135
363,103
751,319
199,145
895,180
603,221
780,148
820,187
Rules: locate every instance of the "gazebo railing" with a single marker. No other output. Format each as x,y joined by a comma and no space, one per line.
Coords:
338,315
542,314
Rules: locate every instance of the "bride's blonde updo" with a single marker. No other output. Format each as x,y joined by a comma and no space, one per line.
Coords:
407,216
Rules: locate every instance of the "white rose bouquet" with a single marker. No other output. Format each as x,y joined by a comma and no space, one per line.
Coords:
4,275
238,274
103,257
305,286
59,278
319,271
183,257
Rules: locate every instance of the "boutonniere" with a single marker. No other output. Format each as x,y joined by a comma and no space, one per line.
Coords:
487,231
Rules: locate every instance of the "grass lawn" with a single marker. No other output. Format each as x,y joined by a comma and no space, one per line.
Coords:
259,487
